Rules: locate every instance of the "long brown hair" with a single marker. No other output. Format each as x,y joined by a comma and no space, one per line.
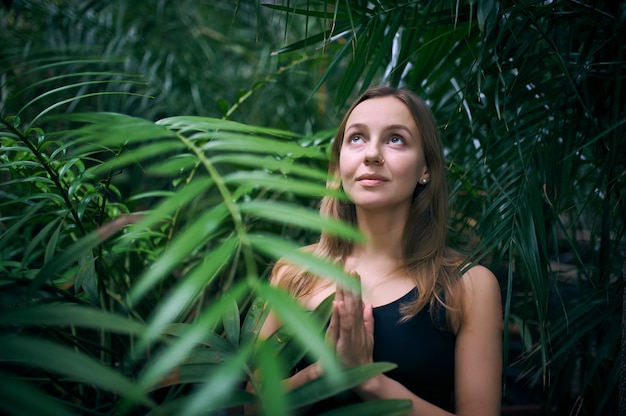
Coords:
433,266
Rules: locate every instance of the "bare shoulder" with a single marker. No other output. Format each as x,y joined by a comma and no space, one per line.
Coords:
479,279
481,295
482,300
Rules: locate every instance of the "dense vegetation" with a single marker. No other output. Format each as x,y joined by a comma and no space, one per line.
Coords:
157,157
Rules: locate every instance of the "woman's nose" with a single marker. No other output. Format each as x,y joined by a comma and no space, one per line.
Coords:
373,156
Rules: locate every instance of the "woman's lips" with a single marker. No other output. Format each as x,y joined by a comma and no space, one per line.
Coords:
371,179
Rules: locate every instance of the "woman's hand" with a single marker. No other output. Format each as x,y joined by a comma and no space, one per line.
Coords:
351,329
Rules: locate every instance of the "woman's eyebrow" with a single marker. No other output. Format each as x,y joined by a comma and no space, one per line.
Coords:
357,126
399,127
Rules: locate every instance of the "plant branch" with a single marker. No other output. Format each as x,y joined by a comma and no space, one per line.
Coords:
51,173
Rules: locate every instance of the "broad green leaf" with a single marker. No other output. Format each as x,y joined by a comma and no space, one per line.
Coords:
301,217
256,315
82,247
270,373
232,323
144,153
113,129
218,388
32,179
18,397
324,387
278,248
220,141
263,180
188,289
172,201
211,339
66,258
173,166
204,355
307,331
179,348
282,340
181,246
271,163
86,276
66,314
187,124
69,362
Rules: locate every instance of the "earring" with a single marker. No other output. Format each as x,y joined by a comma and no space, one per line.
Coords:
424,181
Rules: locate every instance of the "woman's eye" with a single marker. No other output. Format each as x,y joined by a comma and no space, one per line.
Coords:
396,140
355,139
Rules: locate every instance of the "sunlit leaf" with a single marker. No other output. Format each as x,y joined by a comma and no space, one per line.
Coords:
301,217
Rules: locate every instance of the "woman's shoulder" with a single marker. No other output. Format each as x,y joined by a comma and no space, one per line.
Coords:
481,293
479,277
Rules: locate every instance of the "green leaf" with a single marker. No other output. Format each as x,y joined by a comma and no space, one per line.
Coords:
301,217
324,387
286,166
133,156
41,237
183,244
231,321
219,141
255,317
217,389
66,258
24,218
484,8
19,398
283,340
263,180
306,329
211,339
178,350
188,124
66,314
71,363
188,289
113,129
86,276
173,201
270,373
277,248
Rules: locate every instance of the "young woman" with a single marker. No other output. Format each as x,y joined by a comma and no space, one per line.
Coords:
440,326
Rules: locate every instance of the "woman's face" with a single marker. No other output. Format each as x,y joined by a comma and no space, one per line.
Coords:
381,160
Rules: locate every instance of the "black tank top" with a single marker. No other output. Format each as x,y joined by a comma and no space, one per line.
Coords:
422,348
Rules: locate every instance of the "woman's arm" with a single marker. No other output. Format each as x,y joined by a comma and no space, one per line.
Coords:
478,359
478,353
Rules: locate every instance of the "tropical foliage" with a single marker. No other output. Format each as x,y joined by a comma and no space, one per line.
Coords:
157,157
